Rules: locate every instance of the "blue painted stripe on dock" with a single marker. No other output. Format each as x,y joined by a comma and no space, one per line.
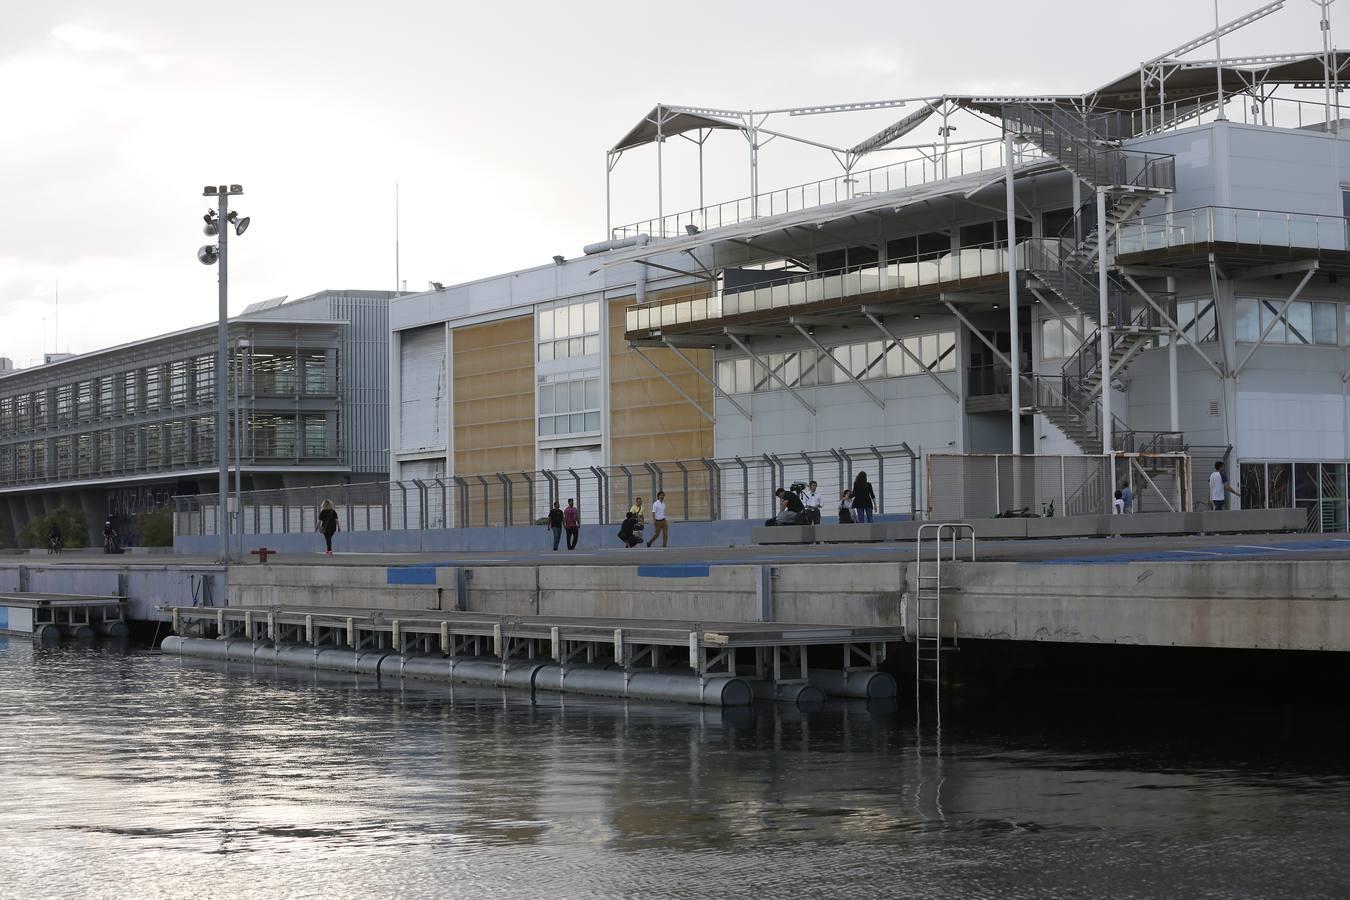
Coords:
674,571
411,575
1198,554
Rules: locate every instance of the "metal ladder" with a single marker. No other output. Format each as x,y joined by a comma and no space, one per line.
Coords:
928,643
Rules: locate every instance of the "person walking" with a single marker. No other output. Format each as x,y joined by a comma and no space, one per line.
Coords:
555,523
659,526
1126,497
328,524
1219,488
572,524
864,499
811,503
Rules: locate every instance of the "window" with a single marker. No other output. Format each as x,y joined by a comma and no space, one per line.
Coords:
152,396
1196,318
272,436
1058,342
105,397
1303,323
864,361
274,372
570,330
316,372
569,407
65,404
84,400
204,379
84,457
315,430
178,382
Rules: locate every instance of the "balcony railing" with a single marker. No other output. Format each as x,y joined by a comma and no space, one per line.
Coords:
1040,254
934,165
1228,225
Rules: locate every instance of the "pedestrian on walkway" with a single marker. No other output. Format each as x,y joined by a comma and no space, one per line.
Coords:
1219,488
555,523
572,524
846,508
660,527
864,499
328,524
1126,497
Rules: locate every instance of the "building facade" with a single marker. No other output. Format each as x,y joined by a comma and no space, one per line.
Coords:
119,431
1186,253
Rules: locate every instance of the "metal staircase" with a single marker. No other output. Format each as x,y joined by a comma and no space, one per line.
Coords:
1089,147
929,643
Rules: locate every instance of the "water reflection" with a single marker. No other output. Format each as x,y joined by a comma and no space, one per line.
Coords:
150,776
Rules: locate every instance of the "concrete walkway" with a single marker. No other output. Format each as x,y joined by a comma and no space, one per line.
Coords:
1077,551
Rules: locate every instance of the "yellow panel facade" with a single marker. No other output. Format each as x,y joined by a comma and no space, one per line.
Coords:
648,420
493,371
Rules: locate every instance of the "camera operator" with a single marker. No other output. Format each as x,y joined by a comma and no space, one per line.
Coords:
811,504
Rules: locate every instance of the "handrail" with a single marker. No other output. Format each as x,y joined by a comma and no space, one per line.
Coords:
1237,225
919,270
929,167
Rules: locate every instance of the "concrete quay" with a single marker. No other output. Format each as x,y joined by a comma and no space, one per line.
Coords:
1283,592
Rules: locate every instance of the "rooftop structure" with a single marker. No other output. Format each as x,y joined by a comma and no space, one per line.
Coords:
1176,235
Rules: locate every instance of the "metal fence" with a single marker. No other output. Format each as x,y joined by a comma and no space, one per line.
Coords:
981,486
696,490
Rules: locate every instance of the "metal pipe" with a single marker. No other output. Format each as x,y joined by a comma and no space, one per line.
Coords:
1104,325
1015,382
637,240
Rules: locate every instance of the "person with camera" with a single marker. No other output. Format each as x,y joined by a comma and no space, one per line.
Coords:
811,504
790,510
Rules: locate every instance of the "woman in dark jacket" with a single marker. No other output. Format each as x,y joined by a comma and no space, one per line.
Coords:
863,498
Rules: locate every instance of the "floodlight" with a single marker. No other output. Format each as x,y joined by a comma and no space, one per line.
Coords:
558,260
207,255
691,229
210,229
240,225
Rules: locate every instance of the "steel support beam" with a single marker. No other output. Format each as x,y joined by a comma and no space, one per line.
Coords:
670,381
712,382
1177,334
1054,311
881,326
772,374
1014,332
998,354
810,339
1265,332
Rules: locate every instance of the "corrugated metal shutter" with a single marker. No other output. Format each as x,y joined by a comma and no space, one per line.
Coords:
422,388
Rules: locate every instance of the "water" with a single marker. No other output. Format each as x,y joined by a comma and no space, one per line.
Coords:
140,776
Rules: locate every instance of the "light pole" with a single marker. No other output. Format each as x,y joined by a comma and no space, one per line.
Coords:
241,346
218,222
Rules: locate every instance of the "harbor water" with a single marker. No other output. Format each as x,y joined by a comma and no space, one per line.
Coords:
126,774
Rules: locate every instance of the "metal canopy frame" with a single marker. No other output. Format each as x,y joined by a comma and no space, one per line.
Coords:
769,369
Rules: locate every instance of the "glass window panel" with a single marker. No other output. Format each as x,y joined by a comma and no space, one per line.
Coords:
929,354
857,359
546,352
592,317
1052,339
576,319
592,421
1279,484
1324,323
578,396
726,375
578,422
575,347
546,425
1305,481
1248,323
876,359
744,382
807,364
1205,324
546,399
592,393
792,369
947,351
1269,310
560,424
546,325
1253,485
1186,317
1299,322
895,360
592,344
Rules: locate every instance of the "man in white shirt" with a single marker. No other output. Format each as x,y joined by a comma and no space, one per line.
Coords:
1219,488
811,504
659,518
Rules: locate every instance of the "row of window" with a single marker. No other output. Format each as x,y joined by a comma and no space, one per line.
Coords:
139,448
1058,342
569,330
1305,323
569,406
174,384
1320,488
870,360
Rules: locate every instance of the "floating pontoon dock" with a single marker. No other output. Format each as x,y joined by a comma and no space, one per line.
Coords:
717,664
53,616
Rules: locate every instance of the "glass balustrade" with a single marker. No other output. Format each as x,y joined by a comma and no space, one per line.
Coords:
1220,224
1039,254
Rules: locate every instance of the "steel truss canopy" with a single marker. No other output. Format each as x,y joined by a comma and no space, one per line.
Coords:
667,121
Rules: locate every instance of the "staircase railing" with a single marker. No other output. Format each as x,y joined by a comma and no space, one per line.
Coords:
1086,362
1072,139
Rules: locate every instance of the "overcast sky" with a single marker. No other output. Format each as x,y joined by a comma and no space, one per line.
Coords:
494,119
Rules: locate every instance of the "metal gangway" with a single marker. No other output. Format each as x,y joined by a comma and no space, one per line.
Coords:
929,644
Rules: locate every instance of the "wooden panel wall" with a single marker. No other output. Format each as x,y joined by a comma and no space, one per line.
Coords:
648,419
493,366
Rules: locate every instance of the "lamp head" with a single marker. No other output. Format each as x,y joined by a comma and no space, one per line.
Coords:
207,255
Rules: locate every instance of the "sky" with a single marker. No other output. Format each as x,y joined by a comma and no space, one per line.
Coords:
492,119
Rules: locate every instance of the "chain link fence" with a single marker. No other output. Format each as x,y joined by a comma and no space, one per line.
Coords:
696,490
982,486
